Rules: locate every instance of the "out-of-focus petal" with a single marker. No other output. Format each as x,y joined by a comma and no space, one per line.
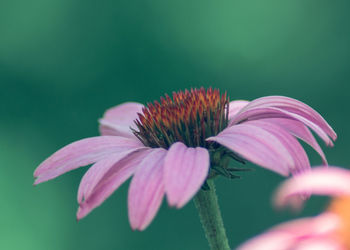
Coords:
273,240
82,153
185,170
322,181
320,243
290,234
297,152
299,130
118,120
256,145
235,107
294,106
262,113
322,224
146,190
103,178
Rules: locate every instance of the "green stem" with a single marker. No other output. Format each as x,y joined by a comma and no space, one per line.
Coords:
210,216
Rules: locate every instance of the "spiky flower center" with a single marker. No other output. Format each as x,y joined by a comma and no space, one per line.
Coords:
189,117
341,207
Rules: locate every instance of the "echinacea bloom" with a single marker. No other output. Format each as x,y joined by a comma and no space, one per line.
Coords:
329,231
171,147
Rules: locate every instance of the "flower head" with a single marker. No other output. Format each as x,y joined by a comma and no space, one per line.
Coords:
189,117
329,230
171,147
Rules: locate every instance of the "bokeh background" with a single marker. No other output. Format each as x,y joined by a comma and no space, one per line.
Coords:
63,63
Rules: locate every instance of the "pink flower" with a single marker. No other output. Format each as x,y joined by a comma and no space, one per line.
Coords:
171,147
329,230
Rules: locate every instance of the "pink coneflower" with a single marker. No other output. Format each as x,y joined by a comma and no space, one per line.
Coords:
330,230
171,147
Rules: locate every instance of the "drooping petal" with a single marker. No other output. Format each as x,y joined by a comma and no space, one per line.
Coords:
235,107
290,235
118,120
332,181
293,106
256,145
185,170
103,178
101,171
314,126
82,153
299,130
146,190
297,152
262,113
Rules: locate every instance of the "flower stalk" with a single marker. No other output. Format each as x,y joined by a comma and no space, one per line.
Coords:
208,208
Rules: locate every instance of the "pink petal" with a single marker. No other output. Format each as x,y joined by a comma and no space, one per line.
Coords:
322,181
235,107
118,120
291,234
323,224
185,170
256,145
103,178
273,240
299,130
146,190
321,123
262,113
314,126
320,243
297,152
82,153
98,172
294,106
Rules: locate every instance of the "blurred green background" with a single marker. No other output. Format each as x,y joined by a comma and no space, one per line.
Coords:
63,63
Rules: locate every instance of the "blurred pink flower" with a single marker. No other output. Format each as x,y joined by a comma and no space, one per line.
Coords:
170,147
329,230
